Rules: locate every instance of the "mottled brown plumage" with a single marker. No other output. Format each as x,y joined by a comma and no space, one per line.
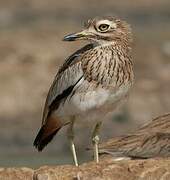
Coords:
152,140
91,82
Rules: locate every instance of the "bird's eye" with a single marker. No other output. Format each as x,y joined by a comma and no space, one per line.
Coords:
103,27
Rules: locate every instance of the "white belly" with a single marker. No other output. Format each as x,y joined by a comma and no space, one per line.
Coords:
92,103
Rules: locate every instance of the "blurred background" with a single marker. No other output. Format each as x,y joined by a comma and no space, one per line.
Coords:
31,51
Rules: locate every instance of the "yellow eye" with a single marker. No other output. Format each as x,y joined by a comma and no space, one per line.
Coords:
103,27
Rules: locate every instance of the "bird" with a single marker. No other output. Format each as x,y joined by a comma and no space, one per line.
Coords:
91,82
149,141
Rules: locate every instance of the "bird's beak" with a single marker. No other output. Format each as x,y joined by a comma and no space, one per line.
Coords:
77,36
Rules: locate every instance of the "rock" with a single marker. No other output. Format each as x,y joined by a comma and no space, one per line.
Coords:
23,173
107,169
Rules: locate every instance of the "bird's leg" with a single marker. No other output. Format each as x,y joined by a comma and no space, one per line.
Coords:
70,135
95,141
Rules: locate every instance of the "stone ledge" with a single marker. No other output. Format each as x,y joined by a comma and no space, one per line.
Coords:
107,169
23,173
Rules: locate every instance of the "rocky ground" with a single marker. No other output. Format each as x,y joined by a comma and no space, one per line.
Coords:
107,169
31,51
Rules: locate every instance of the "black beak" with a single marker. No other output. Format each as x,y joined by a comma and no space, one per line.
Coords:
70,37
75,36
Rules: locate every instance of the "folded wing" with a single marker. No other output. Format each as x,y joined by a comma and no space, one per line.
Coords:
66,79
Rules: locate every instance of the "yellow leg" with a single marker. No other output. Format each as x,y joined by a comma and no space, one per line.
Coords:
70,134
95,141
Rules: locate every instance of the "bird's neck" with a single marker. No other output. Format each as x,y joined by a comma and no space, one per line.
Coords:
116,46
121,43
104,43
107,62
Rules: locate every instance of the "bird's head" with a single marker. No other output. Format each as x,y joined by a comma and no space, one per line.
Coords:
102,31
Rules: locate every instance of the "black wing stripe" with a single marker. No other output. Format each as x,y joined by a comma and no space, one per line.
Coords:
63,96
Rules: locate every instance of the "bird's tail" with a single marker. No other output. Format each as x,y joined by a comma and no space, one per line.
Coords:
46,133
